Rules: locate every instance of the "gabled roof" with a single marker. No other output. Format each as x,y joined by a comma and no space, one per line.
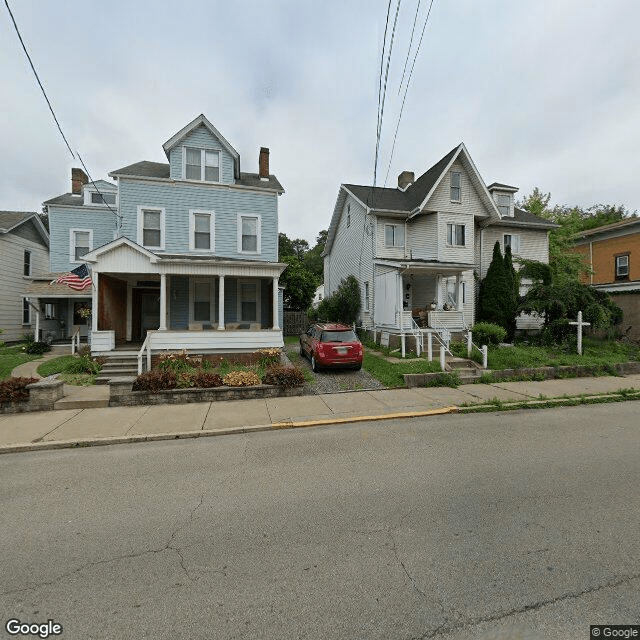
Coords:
194,124
160,170
10,220
524,218
628,224
102,184
92,256
67,199
502,187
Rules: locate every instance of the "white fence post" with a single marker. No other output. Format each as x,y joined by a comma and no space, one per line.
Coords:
469,343
484,356
442,358
430,346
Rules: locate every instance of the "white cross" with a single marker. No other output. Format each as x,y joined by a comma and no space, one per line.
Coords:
580,324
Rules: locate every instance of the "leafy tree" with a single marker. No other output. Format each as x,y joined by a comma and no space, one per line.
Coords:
313,258
343,305
288,247
300,284
494,303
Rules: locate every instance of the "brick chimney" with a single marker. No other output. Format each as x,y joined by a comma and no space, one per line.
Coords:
263,163
78,179
405,179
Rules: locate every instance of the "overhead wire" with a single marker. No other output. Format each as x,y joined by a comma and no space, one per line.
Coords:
44,93
406,60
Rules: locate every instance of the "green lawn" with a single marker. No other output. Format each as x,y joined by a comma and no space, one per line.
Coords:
11,357
391,375
56,365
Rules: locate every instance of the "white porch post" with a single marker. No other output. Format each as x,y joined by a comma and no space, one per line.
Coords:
163,302
276,321
439,292
221,303
36,304
94,303
459,292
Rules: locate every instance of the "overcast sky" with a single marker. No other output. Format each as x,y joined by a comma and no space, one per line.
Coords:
542,92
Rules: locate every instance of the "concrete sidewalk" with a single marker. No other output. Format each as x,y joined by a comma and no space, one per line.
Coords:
84,427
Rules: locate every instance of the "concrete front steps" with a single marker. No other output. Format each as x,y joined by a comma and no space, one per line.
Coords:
119,364
468,370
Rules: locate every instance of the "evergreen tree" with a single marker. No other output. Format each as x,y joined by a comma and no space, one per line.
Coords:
513,294
495,292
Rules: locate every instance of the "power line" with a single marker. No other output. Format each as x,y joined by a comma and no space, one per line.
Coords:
395,135
44,93
415,20
35,73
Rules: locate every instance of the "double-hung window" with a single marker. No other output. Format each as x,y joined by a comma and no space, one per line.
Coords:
456,234
202,230
81,241
622,267
26,311
456,186
248,234
202,297
504,205
513,241
201,164
26,270
151,227
248,301
394,235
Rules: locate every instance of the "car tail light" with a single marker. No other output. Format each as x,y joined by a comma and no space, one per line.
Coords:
320,350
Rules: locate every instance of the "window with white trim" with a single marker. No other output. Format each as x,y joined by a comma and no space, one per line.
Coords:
456,186
394,235
456,234
26,270
504,205
366,296
248,234
202,234
201,164
49,311
26,311
151,227
103,198
248,298
513,241
81,241
622,267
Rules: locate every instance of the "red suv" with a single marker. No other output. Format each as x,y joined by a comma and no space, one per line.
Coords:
331,345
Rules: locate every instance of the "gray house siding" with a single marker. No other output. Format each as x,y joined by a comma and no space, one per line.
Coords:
63,219
179,299
201,138
178,198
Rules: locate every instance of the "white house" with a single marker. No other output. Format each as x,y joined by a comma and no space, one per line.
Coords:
417,250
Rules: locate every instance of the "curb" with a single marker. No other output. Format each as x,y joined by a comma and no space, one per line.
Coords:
155,437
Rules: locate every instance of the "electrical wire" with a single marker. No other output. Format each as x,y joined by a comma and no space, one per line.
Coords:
406,60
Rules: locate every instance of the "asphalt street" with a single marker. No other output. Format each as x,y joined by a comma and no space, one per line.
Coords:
501,525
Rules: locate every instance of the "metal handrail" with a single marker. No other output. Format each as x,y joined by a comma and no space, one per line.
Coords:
145,345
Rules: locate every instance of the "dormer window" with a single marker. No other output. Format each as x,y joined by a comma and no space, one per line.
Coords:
504,205
201,164
103,198
456,186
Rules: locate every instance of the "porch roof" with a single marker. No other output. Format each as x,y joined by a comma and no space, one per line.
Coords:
41,287
428,266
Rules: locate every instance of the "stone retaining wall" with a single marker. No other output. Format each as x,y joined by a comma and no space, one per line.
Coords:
121,394
622,369
42,396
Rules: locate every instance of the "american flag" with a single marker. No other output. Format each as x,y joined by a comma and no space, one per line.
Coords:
78,279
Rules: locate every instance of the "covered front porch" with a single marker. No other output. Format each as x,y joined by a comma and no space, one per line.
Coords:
203,305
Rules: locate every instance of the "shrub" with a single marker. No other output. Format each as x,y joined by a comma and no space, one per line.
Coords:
15,389
84,350
155,381
176,362
284,377
36,348
184,380
268,356
207,379
241,379
344,304
83,364
488,333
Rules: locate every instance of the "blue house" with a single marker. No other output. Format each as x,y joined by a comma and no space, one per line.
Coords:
182,255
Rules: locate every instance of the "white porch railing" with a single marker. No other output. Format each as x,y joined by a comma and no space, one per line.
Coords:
75,340
145,345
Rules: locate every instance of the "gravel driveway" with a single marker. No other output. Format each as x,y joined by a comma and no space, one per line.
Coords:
329,380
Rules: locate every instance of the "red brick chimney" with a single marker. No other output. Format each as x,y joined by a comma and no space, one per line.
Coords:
263,163
78,179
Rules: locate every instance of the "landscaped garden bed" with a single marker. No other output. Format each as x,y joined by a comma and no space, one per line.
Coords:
180,377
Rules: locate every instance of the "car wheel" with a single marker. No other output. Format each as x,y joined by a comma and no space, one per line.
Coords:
314,365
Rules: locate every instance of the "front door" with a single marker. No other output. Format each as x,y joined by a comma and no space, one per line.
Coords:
146,312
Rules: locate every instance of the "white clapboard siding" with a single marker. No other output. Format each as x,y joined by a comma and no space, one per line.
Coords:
422,241
212,341
534,244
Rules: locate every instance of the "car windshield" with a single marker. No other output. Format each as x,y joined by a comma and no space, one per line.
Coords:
338,336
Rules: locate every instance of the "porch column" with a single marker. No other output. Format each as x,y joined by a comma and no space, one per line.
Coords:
459,292
163,302
94,302
220,303
276,325
439,292
36,305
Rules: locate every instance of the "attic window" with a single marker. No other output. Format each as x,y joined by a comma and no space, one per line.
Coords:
103,198
504,205
201,164
456,186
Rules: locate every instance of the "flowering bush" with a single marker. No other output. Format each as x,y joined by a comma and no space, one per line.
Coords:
269,356
241,379
177,362
284,376
15,389
155,381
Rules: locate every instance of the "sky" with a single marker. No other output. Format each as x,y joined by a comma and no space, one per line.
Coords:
543,93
